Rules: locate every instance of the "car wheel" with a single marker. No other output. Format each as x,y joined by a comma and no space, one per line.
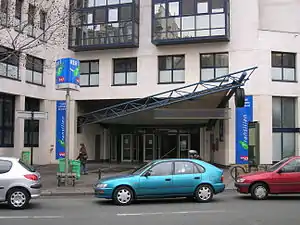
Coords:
259,191
18,199
204,193
123,196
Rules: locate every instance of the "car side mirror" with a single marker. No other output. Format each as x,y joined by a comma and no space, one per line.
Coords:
148,173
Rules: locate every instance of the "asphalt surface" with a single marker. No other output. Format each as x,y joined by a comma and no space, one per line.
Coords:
227,209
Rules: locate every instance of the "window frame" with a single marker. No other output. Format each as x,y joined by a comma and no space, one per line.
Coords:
195,167
32,69
12,60
282,67
131,59
215,78
9,163
91,73
172,69
156,164
7,128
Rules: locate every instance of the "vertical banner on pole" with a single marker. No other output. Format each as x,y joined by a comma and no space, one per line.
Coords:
67,74
60,129
242,118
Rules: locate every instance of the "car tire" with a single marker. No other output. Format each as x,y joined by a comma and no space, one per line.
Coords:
123,196
204,193
259,191
18,198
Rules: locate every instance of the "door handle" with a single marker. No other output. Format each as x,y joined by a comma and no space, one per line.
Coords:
1,187
168,179
196,178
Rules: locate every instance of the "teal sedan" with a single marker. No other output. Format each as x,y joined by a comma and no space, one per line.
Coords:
167,178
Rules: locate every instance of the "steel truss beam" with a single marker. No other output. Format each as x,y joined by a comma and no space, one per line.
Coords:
193,91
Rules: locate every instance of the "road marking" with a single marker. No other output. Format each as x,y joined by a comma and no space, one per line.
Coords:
30,217
171,213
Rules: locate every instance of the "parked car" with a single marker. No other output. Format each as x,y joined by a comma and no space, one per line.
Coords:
166,178
281,178
19,183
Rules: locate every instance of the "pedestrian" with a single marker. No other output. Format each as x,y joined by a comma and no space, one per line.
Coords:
83,156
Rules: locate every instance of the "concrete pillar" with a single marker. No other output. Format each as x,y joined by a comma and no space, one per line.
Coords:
229,134
73,148
297,111
19,126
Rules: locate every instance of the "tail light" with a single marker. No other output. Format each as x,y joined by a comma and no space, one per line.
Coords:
222,178
31,177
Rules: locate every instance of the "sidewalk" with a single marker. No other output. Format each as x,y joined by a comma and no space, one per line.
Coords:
85,183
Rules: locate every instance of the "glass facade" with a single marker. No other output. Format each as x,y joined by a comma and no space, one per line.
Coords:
7,120
104,24
31,128
184,21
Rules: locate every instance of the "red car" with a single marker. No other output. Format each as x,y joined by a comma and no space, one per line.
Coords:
281,178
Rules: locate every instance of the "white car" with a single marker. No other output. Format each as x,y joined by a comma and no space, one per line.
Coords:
19,183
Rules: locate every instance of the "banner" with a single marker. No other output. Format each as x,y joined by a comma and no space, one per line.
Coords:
67,74
60,129
242,118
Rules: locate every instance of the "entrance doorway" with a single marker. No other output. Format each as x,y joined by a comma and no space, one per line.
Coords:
129,148
149,147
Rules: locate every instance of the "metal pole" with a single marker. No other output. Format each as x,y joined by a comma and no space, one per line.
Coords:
31,137
67,136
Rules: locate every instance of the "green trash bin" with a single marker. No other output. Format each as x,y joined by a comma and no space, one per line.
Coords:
61,165
76,167
26,157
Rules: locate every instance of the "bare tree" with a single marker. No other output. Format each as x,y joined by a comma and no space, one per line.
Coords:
32,25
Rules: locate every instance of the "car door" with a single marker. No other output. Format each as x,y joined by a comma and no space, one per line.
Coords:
287,178
158,181
5,179
186,177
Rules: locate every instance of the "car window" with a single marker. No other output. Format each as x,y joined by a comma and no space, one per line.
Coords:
292,167
278,165
5,166
26,166
162,169
185,168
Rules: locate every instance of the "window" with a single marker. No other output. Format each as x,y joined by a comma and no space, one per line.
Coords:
31,128
283,66
89,73
4,6
283,120
111,23
186,168
292,167
162,169
213,65
18,9
125,71
7,120
34,70
171,69
5,166
189,19
31,13
43,16
9,63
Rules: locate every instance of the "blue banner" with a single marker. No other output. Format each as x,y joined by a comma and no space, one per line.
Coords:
242,118
60,129
67,74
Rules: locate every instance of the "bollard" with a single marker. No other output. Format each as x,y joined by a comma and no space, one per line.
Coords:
99,174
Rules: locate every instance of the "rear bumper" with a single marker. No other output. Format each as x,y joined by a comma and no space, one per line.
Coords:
35,190
242,188
219,188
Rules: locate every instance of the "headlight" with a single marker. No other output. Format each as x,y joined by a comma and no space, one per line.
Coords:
240,180
101,185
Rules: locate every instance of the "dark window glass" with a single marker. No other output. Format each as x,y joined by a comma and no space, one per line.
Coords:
283,66
31,128
43,16
292,167
276,59
31,13
34,69
217,5
125,13
214,65
125,71
89,73
5,166
283,112
18,9
185,168
7,109
276,112
288,60
188,7
100,15
27,167
162,169
171,69
4,6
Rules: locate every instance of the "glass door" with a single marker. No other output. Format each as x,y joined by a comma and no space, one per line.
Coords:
126,147
184,145
149,147
135,148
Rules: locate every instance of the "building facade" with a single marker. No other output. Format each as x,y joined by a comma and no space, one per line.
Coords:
130,49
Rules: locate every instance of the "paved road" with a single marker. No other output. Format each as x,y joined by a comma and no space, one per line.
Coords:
226,209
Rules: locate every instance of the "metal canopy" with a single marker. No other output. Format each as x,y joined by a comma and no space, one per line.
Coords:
189,92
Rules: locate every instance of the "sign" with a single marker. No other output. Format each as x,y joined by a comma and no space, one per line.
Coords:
242,118
28,115
67,74
60,128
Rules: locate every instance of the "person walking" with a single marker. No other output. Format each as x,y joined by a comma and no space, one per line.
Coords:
83,156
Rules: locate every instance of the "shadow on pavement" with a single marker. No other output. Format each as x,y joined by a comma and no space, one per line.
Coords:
272,198
33,205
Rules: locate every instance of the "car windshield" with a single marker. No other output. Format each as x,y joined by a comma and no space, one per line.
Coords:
141,168
277,165
26,166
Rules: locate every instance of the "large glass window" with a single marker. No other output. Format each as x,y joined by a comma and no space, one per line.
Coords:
7,119
283,117
107,23
213,65
283,66
89,73
162,169
171,69
189,19
9,63
31,128
125,71
34,70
